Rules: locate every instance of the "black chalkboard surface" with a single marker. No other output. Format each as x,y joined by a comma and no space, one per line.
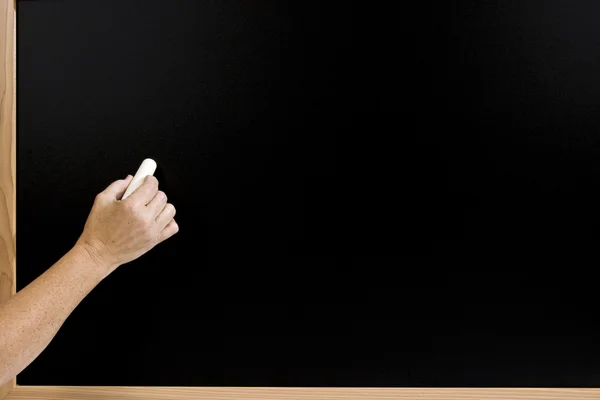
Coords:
366,197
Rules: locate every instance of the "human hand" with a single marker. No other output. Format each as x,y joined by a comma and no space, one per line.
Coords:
119,231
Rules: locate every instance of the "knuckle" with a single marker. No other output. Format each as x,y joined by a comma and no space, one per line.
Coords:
100,197
129,207
148,232
171,208
139,215
152,180
145,223
162,196
149,237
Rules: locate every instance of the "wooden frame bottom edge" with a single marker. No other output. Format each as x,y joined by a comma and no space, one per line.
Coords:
255,393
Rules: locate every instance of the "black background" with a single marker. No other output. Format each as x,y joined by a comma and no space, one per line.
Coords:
366,196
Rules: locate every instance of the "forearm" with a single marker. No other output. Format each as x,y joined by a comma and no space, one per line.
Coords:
30,319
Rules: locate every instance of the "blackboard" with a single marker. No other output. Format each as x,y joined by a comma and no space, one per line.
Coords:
366,197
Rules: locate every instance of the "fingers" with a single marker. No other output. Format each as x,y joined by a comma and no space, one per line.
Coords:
116,189
146,192
157,203
165,216
171,229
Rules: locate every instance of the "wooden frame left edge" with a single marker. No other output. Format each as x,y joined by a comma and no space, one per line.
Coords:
8,174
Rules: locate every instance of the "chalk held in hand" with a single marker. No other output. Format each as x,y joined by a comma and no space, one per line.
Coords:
147,168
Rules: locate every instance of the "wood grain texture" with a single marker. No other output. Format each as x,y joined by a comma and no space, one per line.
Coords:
171,393
7,158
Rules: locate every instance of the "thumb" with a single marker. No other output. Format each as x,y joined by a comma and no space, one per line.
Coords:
116,190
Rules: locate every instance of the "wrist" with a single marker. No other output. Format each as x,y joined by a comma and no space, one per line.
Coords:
96,257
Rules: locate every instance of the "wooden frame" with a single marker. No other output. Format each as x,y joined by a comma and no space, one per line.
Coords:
11,391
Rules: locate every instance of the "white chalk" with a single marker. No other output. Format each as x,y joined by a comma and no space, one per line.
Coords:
147,168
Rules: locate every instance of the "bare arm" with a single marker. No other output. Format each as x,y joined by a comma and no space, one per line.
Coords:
31,318
116,232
